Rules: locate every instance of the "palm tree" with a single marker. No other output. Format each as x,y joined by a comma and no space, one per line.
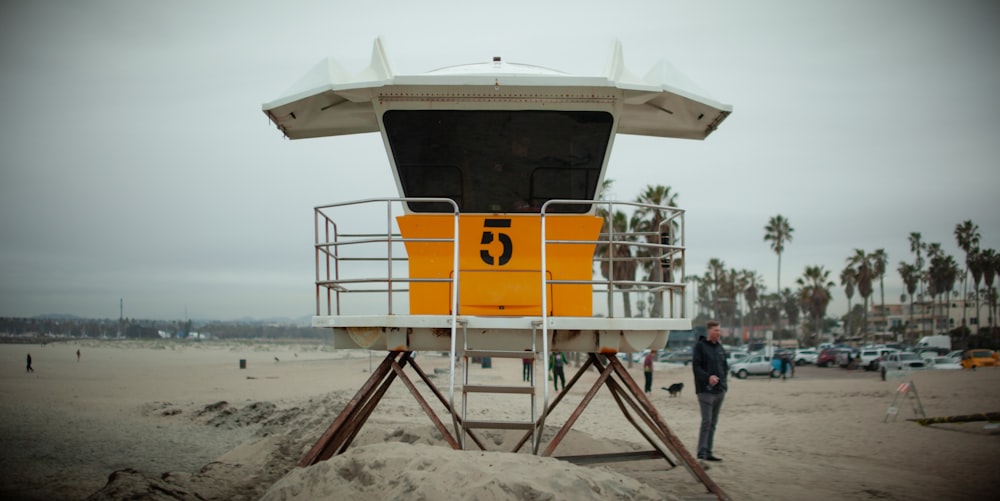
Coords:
714,281
991,266
880,260
848,280
861,263
790,305
911,278
967,237
700,297
753,287
615,230
770,308
778,231
814,293
977,268
933,250
915,247
934,253
941,275
730,293
650,221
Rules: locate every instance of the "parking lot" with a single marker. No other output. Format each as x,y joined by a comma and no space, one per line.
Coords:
813,372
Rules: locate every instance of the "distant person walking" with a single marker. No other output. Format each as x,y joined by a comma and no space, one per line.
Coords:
784,366
77,355
647,371
29,369
556,361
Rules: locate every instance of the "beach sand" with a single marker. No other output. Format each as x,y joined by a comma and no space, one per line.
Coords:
181,420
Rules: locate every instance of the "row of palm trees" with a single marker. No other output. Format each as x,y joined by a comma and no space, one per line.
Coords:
937,280
738,296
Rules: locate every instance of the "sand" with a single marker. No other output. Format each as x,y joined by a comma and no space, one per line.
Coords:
176,420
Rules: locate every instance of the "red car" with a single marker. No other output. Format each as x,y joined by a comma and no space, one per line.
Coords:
827,357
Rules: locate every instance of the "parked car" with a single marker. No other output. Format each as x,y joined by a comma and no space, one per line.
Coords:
944,363
870,358
678,357
847,358
735,356
754,365
979,358
827,357
903,360
806,356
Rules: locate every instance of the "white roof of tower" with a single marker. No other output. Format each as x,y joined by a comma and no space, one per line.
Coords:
328,101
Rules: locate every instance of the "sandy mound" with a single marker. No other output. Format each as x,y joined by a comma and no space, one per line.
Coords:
397,471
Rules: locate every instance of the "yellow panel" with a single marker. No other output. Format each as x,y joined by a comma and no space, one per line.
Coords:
499,259
501,293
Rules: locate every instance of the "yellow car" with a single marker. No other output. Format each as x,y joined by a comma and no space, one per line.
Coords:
979,358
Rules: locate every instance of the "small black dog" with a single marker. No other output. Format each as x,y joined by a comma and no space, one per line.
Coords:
674,389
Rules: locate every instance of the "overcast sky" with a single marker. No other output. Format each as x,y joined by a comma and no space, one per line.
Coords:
135,161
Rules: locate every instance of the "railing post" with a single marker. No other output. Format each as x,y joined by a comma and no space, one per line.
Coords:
545,317
388,235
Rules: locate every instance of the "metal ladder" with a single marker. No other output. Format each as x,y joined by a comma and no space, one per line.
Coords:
530,390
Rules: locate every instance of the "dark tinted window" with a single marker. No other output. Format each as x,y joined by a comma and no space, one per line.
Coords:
498,161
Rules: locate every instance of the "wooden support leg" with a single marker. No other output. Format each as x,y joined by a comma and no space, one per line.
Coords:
444,401
423,404
576,412
352,427
676,445
339,436
621,398
312,457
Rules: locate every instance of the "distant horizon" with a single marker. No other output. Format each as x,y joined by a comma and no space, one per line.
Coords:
69,316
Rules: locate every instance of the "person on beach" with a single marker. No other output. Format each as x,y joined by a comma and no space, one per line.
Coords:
29,369
710,374
556,362
77,355
647,371
526,369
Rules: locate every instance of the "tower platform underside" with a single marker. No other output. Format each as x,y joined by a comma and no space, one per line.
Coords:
433,332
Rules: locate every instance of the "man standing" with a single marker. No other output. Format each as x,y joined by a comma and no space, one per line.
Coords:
29,369
710,374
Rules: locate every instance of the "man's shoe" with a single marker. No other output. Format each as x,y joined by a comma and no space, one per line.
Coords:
712,458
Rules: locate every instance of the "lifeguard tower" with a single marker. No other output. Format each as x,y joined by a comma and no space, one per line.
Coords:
490,249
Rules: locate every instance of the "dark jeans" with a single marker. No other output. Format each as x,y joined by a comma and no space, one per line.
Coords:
526,371
649,381
710,404
557,375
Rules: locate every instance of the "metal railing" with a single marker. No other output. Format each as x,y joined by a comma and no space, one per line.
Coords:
657,253
331,250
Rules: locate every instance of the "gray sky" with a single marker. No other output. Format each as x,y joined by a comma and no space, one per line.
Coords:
135,161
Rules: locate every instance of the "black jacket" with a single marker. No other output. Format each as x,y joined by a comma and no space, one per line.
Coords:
709,359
